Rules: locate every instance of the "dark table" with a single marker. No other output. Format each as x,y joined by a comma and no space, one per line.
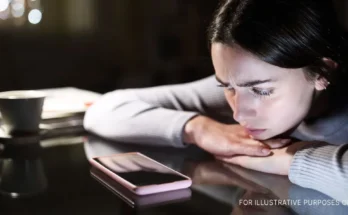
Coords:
53,176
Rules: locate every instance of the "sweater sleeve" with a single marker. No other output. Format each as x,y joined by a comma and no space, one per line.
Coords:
312,202
322,167
155,115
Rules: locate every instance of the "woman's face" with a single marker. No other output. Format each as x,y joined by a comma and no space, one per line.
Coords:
267,100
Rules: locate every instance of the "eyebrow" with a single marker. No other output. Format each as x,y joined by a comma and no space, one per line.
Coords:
245,84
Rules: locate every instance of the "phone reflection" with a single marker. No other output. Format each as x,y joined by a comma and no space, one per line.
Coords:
21,170
137,201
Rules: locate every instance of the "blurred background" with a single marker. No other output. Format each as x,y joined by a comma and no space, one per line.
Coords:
104,45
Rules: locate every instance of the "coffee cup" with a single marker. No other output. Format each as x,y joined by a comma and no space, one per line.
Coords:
21,111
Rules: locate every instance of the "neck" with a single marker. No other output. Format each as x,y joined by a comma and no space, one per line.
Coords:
320,105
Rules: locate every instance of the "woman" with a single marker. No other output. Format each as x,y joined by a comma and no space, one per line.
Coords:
282,68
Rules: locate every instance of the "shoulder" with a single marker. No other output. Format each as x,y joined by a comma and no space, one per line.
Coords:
331,128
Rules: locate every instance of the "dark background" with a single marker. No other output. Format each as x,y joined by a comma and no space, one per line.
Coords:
103,45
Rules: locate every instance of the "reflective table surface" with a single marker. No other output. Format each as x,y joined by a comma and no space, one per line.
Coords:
53,176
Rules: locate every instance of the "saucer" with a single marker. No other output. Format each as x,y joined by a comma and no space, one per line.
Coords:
8,138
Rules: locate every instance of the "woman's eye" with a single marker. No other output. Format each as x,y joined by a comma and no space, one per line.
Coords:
262,92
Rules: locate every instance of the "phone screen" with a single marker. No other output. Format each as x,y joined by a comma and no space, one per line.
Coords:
139,170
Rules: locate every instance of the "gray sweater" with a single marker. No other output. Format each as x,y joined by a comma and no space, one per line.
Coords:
157,116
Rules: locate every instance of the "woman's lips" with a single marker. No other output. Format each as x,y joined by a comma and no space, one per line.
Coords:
254,132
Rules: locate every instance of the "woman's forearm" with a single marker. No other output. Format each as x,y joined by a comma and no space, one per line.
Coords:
322,167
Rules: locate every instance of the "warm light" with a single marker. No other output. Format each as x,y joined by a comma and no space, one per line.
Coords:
14,195
4,5
5,14
34,16
17,10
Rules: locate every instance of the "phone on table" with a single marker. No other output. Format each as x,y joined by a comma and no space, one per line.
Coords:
141,174
137,201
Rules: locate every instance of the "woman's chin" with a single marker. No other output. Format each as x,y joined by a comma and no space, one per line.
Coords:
277,135
262,137
270,135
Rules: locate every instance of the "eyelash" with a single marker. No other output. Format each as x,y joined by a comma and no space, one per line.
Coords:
261,93
224,86
257,92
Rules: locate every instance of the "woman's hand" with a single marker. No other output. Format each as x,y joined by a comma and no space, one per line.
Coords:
278,162
226,140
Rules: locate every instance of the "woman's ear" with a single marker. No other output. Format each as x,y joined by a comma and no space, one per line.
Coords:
322,83
331,63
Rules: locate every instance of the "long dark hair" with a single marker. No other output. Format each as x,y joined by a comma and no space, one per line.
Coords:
285,33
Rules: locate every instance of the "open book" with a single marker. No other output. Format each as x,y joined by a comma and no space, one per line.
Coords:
67,101
65,107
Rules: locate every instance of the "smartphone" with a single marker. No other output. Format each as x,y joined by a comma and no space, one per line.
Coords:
141,174
137,201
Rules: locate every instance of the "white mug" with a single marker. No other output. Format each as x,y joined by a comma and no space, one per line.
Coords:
21,111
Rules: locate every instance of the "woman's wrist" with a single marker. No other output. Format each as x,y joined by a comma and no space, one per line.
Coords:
193,129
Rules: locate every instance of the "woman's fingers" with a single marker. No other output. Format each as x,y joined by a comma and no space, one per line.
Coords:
244,147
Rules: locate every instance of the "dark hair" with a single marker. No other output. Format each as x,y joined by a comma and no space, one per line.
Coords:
284,33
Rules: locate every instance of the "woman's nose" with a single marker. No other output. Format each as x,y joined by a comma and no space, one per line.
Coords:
242,109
